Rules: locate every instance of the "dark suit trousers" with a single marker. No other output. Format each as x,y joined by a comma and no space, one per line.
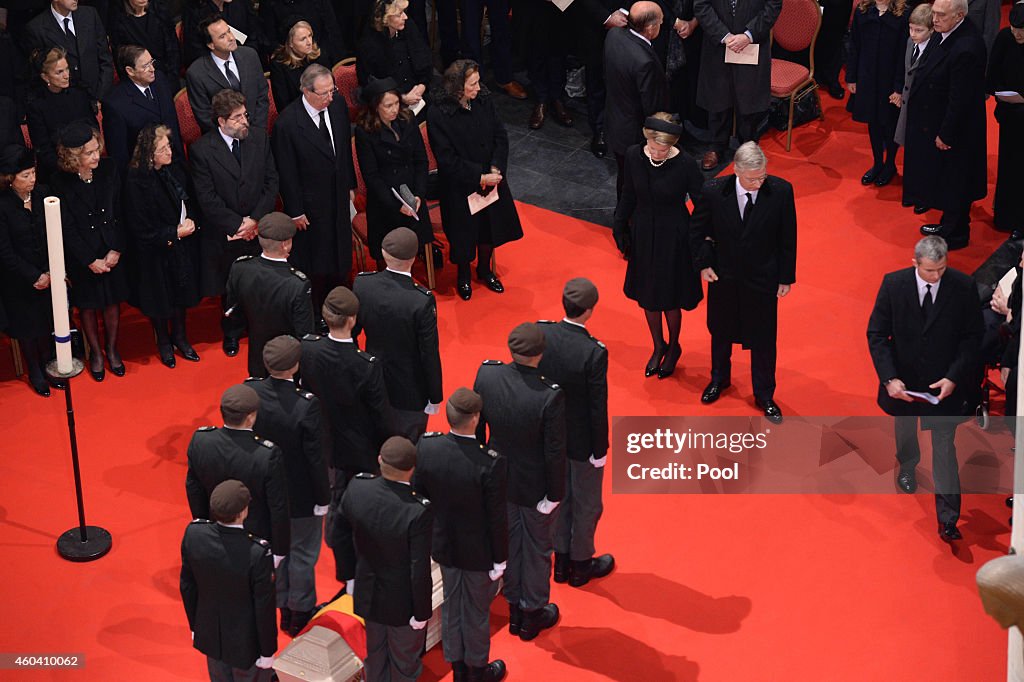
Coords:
528,572
465,616
448,30
720,125
579,512
472,12
828,50
592,47
762,366
945,469
956,222
222,672
546,66
393,653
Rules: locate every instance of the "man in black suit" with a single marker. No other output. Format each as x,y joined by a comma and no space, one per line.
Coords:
215,455
743,237
467,485
266,294
79,30
142,98
924,335
236,184
350,385
290,417
634,80
947,103
546,28
722,88
227,576
579,364
239,15
226,65
313,149
526,415
391,525
400,320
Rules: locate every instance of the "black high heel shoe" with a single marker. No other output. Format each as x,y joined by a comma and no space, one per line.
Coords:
668,365
116,370
97,374
655,362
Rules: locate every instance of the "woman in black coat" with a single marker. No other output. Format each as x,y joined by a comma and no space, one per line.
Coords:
652,230
393,47
391,154
874,76
160,217
290,60
1006,74
24,265
471,146
89,190
144,23
53,106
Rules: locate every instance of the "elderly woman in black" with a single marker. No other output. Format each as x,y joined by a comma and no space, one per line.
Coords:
24,268
391,154
392,47
89,190
471,146
159,216
290,60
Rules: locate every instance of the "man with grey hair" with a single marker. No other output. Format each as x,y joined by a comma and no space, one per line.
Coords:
312,144
743,237
924,336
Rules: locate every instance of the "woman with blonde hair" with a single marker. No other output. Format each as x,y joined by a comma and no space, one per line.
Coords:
299,50
53,105
392,47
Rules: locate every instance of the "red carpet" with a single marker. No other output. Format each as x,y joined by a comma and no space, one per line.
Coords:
726,588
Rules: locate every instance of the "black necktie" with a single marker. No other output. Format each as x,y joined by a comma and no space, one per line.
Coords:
748,208
67,27
926,305
149,94
917,53
236,151
232,78
325,131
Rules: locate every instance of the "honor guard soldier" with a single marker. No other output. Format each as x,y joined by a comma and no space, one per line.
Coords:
526,415
227,576
579,363
350,385
215,455
400,320
391,525
467,486
266,294
290,416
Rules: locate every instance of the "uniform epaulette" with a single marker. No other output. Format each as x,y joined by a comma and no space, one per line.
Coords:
253,379
258,540
305,394
207,428
432,434
549,383
422,289
311,337
493,454
546,322
600,344
366,356
200,521
264,442
422,500
366,475
366,272
242,258
299,273
493,362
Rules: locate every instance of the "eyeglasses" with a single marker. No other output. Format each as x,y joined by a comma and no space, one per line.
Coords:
333,92
238,118
753,180
151,64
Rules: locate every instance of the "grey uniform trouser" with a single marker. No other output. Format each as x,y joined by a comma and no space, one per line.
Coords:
296,576
579,512
393,653
528,574
465,616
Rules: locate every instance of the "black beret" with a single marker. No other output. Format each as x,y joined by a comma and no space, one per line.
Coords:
276,226
240,398
341,301
398,452
75,135
401,243
466,401
228,500
282,353
581,291
378,86
527,340
15,158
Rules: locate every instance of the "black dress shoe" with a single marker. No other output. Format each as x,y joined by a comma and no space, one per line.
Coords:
187,351
713,391
932,229
166,356
286,618
538,620
668,365
230,347
771,411
885,176
465,290
515,619
920,210
561,568
655,362
537,117
494,671
949,532
870,176
438,256
583,572
906,203
39,385
492,282
836,91
561,114
54,382
299,621
907,482
598,147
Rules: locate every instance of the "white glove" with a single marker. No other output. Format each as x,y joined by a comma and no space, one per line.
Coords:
598,463
320,510
496,572
432,408
417,624
546,506
265,662
277,560
350,587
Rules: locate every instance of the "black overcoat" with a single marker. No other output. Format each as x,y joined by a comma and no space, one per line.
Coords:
23,258
876,64
406,57
126,111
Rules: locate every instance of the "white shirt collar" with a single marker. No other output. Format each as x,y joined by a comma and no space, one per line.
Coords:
946,34
922,287
640,36
335,338
230,60
142,88
276,260
230,525
399,272
236,428
568,321
313,113
741,195
463,435
60,18
228,140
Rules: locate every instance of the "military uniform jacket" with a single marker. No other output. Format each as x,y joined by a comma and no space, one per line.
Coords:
400,320
290,417
466,483
579,364
227,585
350,385
216,455
391,527
526,415
271,298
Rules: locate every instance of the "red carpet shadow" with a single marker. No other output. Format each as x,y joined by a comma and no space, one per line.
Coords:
588,649
654,596
5,521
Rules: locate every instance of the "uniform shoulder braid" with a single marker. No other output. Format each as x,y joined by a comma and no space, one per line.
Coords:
422,500
248,379
366,475
493,454
432,434
299,273
546,322
259,541
200,521
311,337
422,289
549,383
264,442
243,258
493,362
207,428
305,394
366,272
366,356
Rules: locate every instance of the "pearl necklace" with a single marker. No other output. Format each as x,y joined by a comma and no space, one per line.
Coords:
87,181
656,164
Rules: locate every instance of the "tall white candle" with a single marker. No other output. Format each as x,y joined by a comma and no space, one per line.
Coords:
58,287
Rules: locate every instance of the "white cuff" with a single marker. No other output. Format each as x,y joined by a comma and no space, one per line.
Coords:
320,509
350,587
432,408
277,560
598,463
265,662
546,506
497,571
417,624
